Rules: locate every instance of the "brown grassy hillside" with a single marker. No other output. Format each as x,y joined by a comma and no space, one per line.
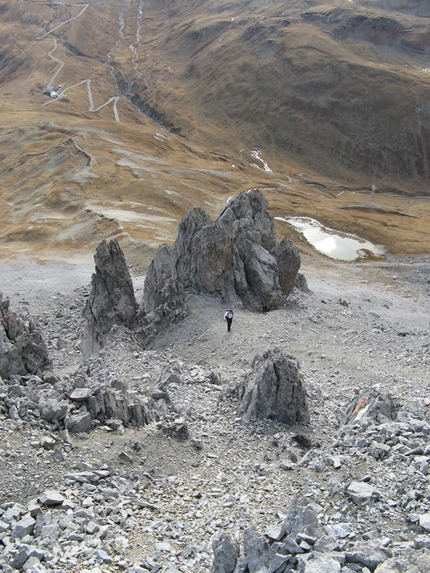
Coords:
161,104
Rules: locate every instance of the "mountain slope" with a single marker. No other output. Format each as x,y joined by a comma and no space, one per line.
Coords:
117,118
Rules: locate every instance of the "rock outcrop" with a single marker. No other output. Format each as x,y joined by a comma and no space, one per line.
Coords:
22,348
274,390
111,300
288,258
236,257
300,545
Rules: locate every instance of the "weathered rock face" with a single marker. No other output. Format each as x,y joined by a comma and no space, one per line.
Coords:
225,554
288,258
235,256
274,389
159,271
22,348
376,405
111,300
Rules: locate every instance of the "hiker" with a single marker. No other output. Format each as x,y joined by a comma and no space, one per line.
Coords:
228,316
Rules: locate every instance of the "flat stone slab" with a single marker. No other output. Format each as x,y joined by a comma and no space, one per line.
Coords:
361,492
81,394
50,497
425,521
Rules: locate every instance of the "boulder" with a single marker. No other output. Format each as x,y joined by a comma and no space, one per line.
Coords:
51,498
301,283
10,360
274,390
258,553
301,519
288,259
111,300
159,271
22,348
80,423
376,405
225,554
322,564
53,409
361,492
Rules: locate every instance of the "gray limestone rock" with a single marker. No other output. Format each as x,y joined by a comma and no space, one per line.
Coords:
22,348
258,554
23,527
301,283
159,271
322,564
53,409
225,554
50,497
301,519
80,423
235,256
339,530
81,394
111,300
366,555
376,405
10,360
361,492
405,564
274,390
186,244
247,220
288,258
425,521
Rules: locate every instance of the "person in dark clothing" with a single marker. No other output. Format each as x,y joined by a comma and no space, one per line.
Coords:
228,317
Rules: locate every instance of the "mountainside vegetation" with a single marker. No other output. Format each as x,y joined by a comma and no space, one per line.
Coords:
117,118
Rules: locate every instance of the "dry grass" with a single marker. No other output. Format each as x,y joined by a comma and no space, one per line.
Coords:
336,104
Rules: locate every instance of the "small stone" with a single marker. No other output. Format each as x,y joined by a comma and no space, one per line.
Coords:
19,559
47,443
361,492
425,521
103,556
163,546
339,530
92,528
50,531
50,497
23,527
274,532
81,394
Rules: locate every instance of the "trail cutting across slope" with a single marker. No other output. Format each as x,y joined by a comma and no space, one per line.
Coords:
61,95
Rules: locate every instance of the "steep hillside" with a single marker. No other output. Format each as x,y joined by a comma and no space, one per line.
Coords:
117,118
342,87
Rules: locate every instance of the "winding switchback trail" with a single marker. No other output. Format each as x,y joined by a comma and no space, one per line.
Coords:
91,108
61,64
64,21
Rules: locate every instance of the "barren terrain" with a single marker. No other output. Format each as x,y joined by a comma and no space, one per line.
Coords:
363,326
118,118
